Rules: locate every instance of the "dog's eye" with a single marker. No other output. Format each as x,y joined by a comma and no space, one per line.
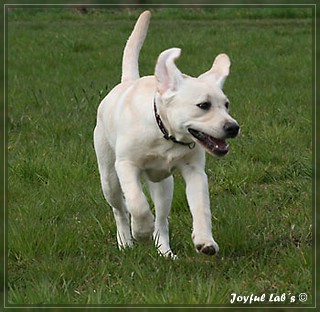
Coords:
204,105
226,105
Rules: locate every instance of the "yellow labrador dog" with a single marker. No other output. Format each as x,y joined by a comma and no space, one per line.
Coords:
147,127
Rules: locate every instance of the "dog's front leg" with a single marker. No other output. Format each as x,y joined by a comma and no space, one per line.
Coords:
142,220
198,200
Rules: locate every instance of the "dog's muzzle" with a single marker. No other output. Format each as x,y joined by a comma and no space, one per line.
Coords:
217,147
231,129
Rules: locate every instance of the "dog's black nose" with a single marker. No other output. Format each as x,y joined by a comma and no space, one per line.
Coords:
231,129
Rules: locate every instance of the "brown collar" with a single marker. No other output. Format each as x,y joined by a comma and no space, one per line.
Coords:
163,129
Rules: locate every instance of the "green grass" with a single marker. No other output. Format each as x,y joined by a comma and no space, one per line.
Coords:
61,233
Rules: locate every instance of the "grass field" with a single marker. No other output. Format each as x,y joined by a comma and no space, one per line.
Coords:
61,235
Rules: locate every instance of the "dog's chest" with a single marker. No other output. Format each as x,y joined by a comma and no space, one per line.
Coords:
160,165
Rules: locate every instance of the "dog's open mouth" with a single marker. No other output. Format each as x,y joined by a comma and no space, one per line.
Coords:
214,146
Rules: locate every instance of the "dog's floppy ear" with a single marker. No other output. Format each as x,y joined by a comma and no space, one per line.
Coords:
219,70
167,74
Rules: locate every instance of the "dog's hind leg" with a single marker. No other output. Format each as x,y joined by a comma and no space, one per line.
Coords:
161,194
111,188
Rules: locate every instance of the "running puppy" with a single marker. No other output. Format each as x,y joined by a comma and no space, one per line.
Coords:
151,125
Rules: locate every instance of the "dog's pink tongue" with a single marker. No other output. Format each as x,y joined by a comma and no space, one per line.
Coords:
218,144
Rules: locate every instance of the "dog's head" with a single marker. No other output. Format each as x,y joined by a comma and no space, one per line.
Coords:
196,108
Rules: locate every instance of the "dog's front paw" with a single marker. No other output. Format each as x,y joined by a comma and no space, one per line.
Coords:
142,228
208,250
206,246
142,236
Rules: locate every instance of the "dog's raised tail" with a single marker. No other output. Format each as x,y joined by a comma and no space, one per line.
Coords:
130,66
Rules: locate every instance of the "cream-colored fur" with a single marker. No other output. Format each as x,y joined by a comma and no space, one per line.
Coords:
130,145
